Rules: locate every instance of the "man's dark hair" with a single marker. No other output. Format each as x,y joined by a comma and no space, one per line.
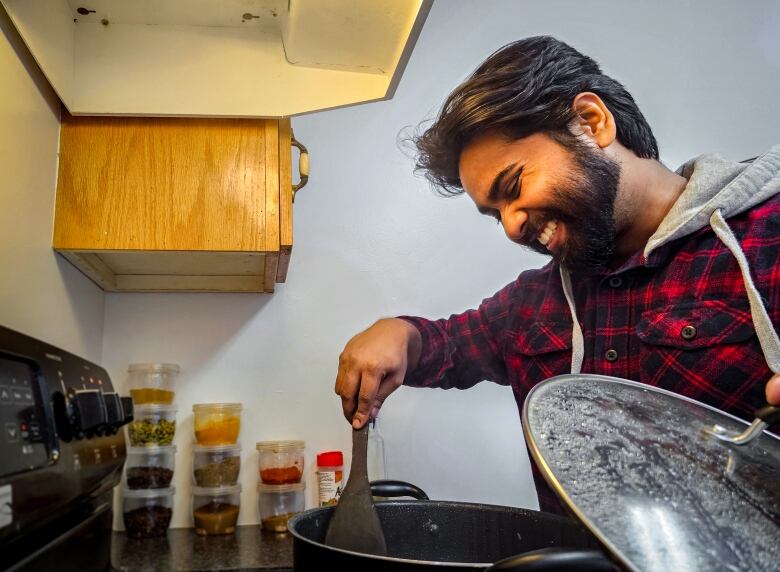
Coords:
526,87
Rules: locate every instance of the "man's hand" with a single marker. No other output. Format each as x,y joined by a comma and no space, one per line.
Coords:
773,390
373,365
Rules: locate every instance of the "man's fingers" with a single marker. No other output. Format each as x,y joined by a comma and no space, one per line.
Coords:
348,390
369,383
388,385
773,390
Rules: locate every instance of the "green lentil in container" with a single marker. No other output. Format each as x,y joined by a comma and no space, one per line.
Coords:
148,433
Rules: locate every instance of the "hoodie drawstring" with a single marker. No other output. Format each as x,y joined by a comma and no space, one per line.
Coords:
767,336
577,341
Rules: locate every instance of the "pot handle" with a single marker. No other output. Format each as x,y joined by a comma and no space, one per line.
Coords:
397,489
558,560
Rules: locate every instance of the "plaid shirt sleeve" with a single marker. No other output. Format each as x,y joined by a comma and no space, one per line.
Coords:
464,349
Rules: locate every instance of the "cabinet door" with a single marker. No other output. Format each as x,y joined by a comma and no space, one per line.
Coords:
173,203
168,184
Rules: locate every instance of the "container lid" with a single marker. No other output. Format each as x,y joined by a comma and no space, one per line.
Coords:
330,459
147,493
153,368
155,408
215,407
280,446
230,448
288,488
149,450
216,491
639,469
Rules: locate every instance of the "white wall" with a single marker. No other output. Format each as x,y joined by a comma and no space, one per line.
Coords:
40,293
371,240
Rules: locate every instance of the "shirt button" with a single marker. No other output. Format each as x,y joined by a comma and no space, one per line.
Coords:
616,282
688,332
611,355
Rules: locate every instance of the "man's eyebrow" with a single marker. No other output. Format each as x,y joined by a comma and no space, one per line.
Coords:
497,188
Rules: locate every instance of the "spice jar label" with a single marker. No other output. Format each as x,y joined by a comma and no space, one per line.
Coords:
329,487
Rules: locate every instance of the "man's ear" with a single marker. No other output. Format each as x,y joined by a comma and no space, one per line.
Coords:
593,119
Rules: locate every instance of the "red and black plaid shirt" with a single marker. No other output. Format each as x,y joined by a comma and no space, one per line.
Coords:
679,320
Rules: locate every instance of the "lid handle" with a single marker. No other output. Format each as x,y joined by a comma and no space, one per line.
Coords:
766,416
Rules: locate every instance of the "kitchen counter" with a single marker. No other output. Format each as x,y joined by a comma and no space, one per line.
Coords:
251,548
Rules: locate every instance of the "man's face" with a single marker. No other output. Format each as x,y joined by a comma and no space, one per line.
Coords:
550,198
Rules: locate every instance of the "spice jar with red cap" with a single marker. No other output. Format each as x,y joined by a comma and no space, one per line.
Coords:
330,472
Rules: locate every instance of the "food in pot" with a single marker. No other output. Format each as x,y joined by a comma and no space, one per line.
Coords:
281,476
147,521
216,518
148,477
218,474
145,432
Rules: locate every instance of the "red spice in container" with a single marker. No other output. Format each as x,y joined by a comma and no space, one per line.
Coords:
281,476
280,462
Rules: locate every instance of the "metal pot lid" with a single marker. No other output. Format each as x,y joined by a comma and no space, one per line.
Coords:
636,465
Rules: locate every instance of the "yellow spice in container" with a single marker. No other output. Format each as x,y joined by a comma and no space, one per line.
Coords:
146,395
217,423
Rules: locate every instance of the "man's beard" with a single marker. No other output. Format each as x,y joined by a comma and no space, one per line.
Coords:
585,204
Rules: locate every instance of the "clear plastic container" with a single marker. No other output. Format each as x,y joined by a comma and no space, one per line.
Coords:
279,503
215,509
280,462
216,465
147,512
149,467
152,425
152,382
217,423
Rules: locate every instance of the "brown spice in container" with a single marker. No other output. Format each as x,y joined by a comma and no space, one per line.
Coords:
281,475
148,477
147,521
216,518
218,474
278,522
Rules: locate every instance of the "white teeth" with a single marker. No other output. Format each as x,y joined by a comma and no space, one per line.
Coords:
546,234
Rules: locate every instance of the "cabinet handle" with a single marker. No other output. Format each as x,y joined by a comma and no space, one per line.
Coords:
303,165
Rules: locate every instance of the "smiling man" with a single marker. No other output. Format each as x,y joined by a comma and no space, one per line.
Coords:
670,278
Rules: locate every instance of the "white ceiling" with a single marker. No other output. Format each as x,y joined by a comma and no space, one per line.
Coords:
211,13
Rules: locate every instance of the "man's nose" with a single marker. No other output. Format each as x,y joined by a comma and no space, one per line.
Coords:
513,221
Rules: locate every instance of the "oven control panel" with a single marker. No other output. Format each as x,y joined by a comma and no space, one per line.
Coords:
22,418
50,398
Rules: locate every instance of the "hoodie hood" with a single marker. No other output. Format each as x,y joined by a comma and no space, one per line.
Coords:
717,190
717,184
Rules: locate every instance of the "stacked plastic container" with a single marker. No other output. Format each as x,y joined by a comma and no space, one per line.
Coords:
147,494
280,492
216,463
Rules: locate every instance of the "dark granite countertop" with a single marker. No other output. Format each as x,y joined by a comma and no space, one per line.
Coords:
250,548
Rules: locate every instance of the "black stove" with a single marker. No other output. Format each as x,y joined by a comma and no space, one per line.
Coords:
61,454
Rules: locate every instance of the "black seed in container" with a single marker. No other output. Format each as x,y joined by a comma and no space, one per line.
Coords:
147,521
148,477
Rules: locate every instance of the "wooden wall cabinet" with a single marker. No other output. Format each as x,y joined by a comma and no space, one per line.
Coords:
175,204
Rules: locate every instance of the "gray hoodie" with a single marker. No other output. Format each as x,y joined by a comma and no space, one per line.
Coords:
717,190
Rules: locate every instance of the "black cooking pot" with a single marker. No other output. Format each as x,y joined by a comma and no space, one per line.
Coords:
434,535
